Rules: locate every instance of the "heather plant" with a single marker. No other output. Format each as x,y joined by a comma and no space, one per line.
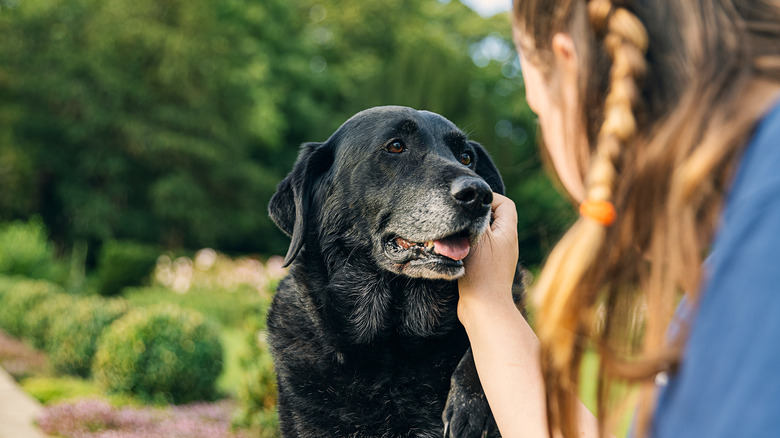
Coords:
211,270
73,340
19,360
165,354
95,418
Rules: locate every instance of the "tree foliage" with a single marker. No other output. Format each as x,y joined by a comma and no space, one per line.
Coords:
172,122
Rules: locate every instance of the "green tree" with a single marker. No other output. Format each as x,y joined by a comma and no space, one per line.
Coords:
445,58
137,120
172,122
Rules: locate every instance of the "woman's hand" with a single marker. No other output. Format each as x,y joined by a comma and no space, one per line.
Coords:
490,267
505,348
506,351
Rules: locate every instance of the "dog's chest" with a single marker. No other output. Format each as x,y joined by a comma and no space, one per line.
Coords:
372,392
389,391
395,385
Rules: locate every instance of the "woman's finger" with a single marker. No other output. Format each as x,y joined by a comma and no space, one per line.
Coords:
504,213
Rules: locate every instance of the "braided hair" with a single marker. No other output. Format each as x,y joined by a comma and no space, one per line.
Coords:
560,306
672,90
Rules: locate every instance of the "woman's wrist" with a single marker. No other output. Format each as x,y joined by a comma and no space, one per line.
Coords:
485,308
506,354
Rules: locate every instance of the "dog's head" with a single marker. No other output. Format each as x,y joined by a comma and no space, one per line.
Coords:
406,185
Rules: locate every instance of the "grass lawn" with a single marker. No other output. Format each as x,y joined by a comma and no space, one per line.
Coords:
589,391
589,380
234,343
53,389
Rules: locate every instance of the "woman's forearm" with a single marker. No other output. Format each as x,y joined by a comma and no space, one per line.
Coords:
506,352
505,348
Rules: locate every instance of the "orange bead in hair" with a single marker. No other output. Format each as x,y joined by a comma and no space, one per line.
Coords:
602,212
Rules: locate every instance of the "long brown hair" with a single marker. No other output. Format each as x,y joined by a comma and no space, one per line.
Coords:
671,92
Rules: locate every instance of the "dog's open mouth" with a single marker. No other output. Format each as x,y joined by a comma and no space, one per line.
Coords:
449,250
453,247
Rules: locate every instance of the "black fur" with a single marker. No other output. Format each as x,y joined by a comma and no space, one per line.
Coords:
364,331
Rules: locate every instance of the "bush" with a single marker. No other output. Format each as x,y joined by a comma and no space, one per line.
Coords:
122,264
25,250
257,394
231,309
7,285
73,340
160,354
19,298
44,315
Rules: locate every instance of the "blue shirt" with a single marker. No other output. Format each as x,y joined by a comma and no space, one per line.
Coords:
728,384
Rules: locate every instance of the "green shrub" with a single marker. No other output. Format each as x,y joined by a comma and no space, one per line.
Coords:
257,393
122,264
160,354
233,349
73,340
43,316
25,250
19,299
7,284
229,308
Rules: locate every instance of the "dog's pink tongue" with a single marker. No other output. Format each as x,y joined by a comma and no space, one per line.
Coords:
456,248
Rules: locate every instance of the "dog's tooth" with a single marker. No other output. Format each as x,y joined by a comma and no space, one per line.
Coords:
403,243
429,244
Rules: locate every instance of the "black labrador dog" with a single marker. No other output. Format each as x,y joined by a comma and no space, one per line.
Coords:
364,329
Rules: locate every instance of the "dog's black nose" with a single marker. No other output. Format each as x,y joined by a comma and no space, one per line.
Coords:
472,193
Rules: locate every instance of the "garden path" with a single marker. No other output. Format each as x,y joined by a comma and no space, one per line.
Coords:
17,410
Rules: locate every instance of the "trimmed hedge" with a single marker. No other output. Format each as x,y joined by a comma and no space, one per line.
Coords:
7,283
74,339
19,298
43,316
160,354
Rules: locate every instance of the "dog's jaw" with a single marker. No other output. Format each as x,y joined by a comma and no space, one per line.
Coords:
401,255
433,270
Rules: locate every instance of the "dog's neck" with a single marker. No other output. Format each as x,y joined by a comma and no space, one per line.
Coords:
365,305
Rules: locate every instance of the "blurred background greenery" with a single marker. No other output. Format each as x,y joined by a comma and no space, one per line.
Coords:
140,142
169,123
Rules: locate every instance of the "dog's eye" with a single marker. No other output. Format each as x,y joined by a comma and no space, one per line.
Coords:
395,147
466,158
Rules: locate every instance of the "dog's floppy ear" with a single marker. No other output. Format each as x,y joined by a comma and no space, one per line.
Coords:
290,204
486,169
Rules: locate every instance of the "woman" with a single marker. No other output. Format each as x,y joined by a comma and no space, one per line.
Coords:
661,119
